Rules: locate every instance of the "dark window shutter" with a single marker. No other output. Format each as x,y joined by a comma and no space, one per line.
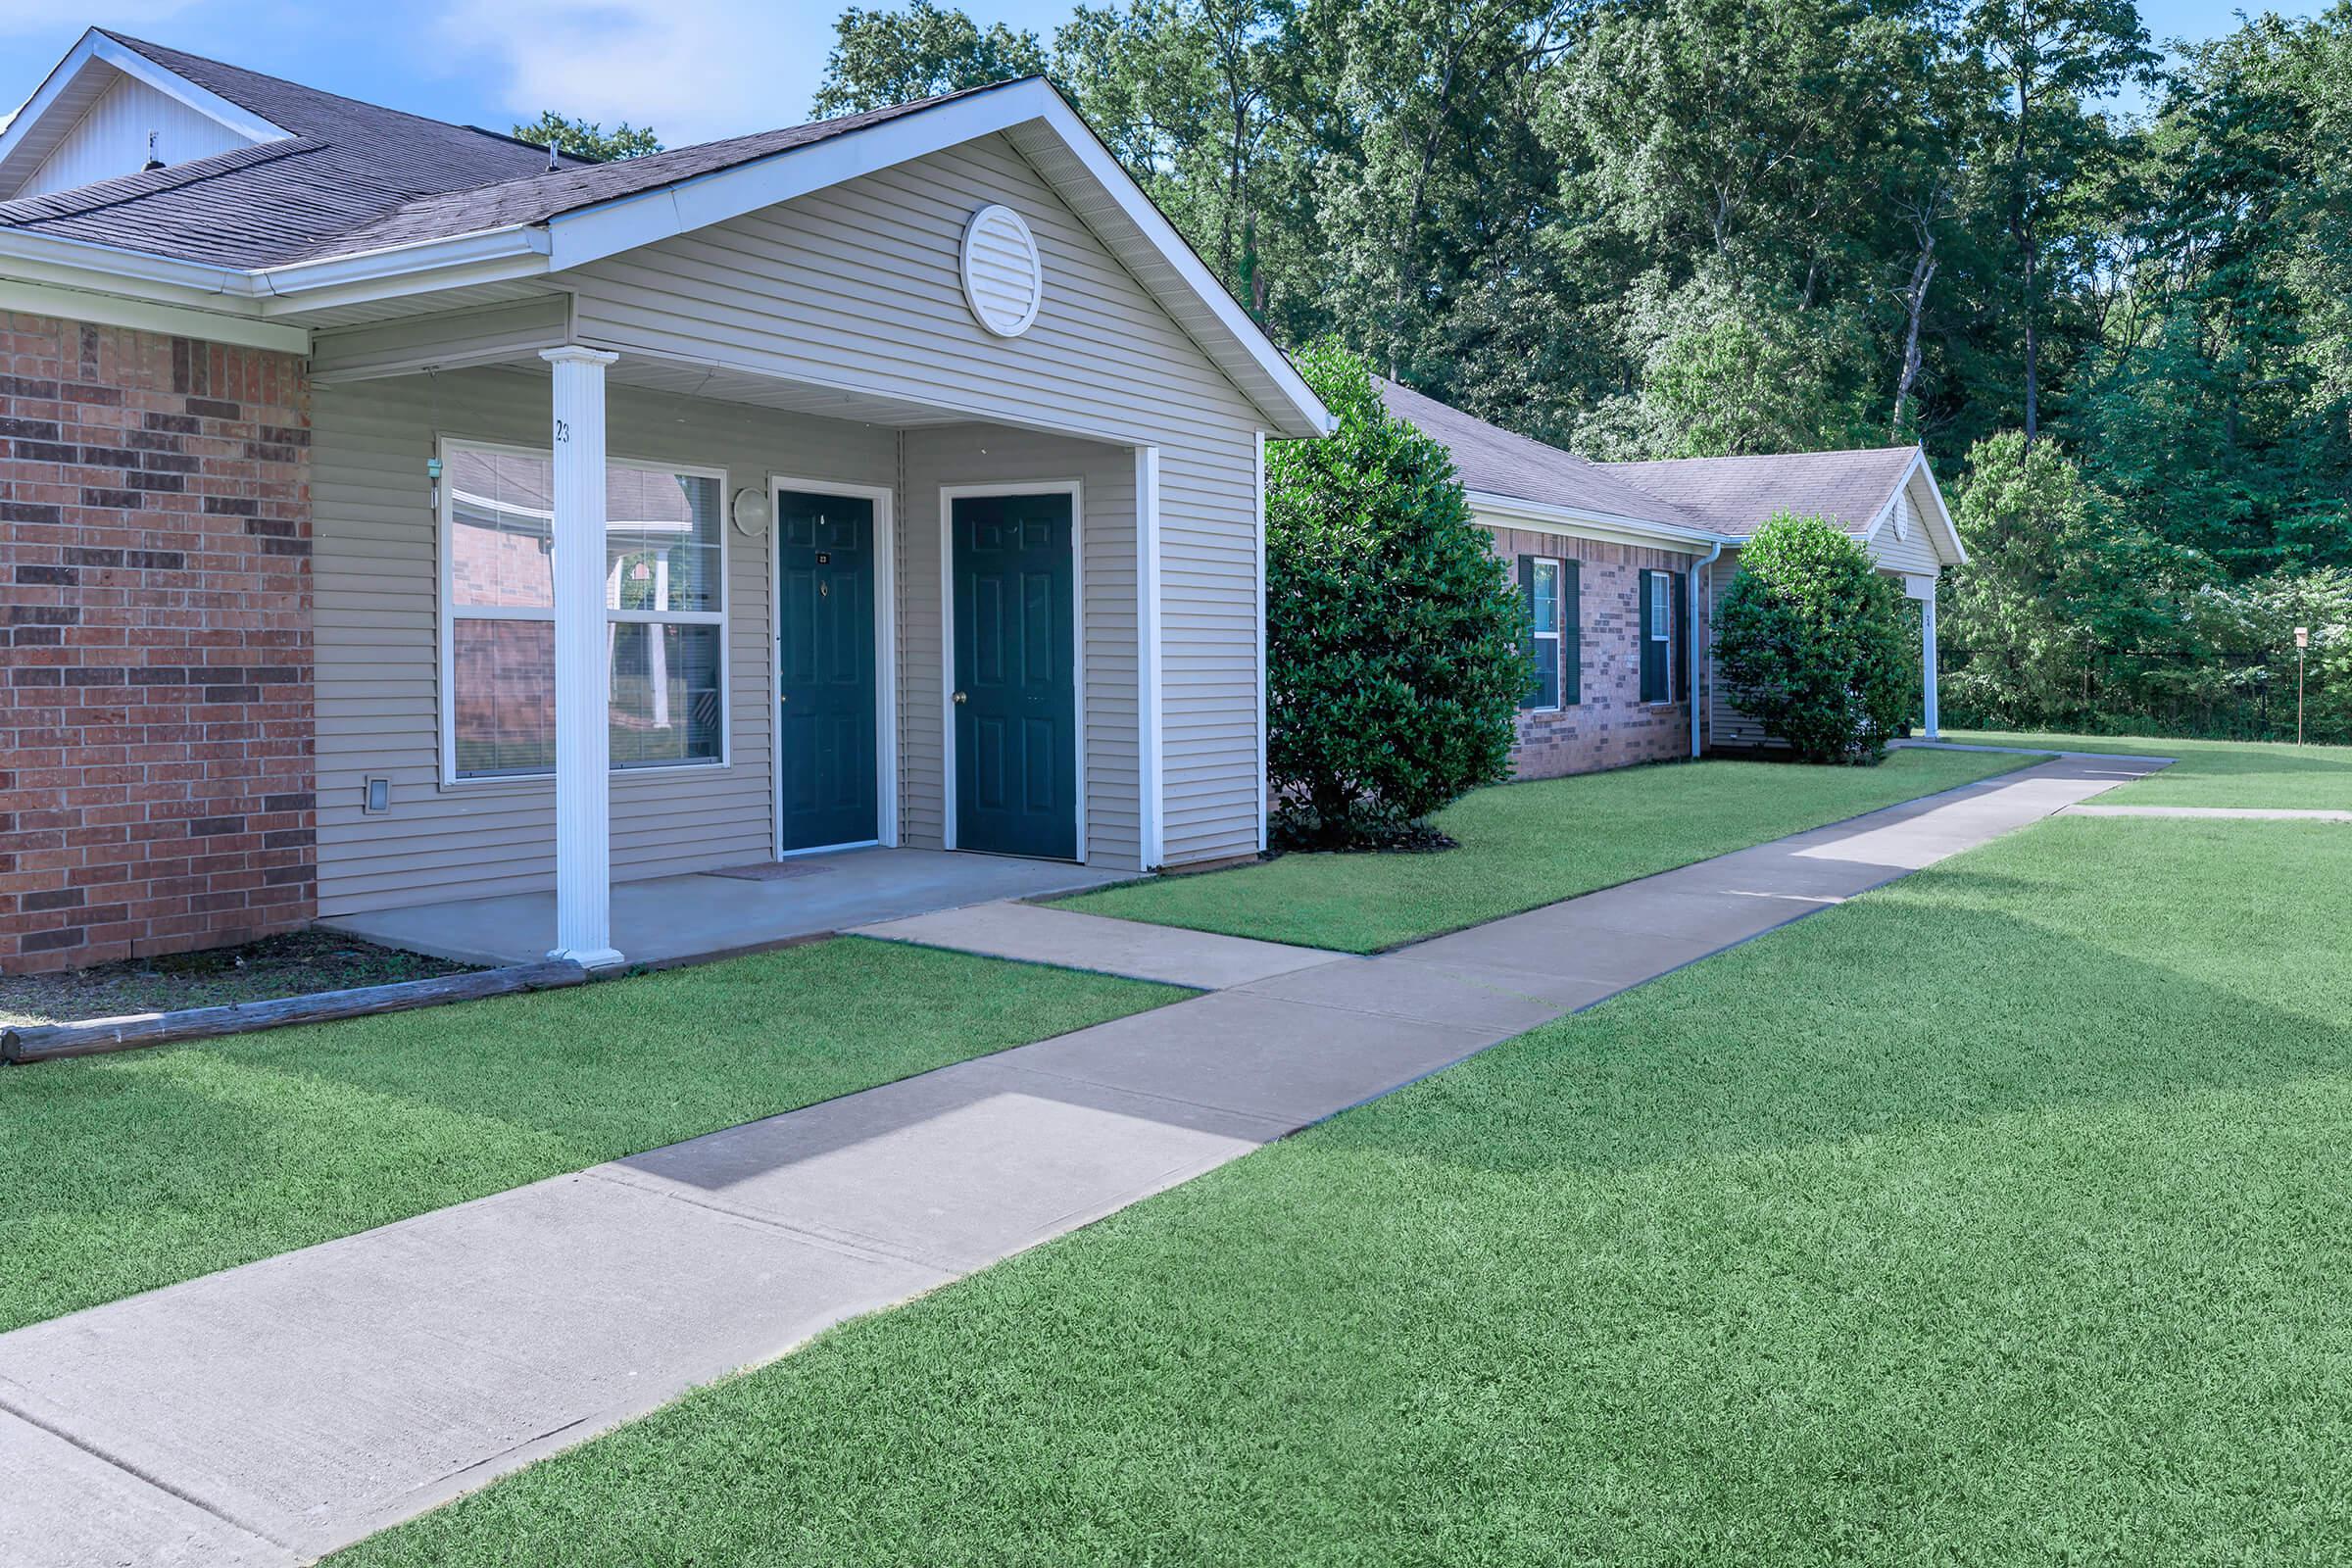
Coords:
1572,635
1681,589
1527,601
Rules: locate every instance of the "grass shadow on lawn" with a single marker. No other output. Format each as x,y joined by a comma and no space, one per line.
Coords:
1995,1217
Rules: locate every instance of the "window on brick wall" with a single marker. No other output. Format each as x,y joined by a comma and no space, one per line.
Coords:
1540,577
665,599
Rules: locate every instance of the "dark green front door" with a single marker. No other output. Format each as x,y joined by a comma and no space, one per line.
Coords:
1015,701
825,791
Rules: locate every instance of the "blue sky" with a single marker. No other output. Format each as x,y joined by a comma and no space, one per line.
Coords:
691,69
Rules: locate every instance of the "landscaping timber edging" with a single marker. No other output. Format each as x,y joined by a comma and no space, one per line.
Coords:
28,1044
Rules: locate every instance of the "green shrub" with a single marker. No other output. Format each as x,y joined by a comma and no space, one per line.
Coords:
1395,644
1814,644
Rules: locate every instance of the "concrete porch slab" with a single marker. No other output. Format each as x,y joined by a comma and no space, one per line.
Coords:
1201,960
670,918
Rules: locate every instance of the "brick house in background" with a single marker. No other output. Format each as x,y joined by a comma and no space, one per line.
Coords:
1621,564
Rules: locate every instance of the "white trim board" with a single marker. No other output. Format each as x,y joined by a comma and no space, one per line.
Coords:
148,316
948,495
1258,635
1151,720
886,660
1535,517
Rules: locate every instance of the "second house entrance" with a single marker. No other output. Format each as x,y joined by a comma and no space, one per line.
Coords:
1013,672
828,680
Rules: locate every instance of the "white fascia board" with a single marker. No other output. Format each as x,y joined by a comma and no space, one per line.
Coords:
110,269
96,52
1312,418
1940,520
147,315
1509,512
627,222
485,256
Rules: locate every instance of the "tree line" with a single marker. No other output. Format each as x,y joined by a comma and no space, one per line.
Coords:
2108,287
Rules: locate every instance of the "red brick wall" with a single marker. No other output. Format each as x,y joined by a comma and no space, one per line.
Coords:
156,741
1610,726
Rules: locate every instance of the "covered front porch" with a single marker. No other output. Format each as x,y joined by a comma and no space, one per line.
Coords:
708,915
618,671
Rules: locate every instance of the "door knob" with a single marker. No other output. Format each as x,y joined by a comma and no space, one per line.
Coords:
960,696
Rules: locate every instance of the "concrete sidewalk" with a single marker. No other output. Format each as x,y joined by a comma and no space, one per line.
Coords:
2217,813
274,1412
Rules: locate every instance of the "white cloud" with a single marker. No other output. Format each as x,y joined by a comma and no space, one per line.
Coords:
693,70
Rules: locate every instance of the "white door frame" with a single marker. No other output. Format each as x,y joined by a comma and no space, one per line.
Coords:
948,495
886,661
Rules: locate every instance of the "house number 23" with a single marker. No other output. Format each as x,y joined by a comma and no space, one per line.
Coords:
563,432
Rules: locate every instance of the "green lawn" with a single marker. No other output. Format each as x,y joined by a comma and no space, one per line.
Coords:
1524,845
2256,774
1998,1216
132,1171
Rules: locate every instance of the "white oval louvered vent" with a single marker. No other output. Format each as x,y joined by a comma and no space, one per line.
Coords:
1003,278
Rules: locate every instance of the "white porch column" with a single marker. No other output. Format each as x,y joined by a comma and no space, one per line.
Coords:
1927,658
1150,671
584,666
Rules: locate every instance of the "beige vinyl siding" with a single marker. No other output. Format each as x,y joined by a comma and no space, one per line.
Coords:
1910,552
994,455
493,333
1727,725
857,288
374,585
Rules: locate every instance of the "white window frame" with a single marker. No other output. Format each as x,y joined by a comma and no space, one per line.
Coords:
451,612
1661,627
1560,620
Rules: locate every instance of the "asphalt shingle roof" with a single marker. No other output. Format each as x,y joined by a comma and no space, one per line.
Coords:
1738,495
1502,463
355,177
1730,496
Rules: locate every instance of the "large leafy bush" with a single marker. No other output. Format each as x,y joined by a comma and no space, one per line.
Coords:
1397,646
1814,643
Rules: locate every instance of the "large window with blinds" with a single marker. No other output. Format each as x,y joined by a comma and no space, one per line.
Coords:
664,609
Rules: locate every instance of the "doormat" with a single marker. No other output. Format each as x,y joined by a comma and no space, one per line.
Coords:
774,870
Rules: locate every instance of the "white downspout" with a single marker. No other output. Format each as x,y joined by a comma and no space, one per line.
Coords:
1698,657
